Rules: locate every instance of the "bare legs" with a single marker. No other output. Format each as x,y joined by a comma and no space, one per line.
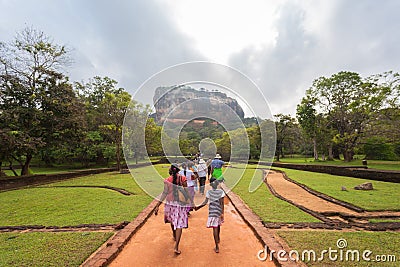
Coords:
178,234
216,232
173,232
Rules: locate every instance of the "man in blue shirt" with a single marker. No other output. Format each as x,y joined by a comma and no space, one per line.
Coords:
216,168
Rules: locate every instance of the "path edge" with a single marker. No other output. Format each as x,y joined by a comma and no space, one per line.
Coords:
107,252
267,238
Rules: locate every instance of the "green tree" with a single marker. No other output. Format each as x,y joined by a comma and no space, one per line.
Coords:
114,107
89,148
254,135
315,127
93,94
379,148
38,106
153,138
106,106
207,148
223,145
240,145
284,125
268,139
307,118
134,130
349,103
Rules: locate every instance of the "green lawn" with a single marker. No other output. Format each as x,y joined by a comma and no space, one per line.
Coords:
61,206
48,249
380,243
65,206
384,165
372,164
385,196
262,202
37,169
41,170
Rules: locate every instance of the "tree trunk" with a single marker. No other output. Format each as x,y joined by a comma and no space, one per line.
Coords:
348,155
118,155
47,160
25,167
12,169
330,152
335,153
1,170
278,153
281,152
315,149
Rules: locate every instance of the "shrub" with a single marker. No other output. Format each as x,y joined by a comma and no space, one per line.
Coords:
378,148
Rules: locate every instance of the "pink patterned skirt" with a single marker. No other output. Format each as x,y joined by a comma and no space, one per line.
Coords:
214,222
176,214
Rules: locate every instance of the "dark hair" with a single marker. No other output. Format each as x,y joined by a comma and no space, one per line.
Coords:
184,165
173,170
214,183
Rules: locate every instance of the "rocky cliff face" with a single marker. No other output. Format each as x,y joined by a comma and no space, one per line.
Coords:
186,103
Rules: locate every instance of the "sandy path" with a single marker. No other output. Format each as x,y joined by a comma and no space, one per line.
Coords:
300,196
153,245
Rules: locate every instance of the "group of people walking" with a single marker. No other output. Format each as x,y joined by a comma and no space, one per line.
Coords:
188,178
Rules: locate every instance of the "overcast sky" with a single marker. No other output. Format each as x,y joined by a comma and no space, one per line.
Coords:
281,45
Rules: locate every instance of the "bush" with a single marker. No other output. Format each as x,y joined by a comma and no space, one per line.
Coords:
397,149
378,148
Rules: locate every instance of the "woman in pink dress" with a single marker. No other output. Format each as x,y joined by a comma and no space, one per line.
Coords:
175,212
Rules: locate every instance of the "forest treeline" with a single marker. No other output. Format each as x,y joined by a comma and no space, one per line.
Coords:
44,115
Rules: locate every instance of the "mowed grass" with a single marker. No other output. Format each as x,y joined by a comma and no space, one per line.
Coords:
49,205
382,244
62,206
48,249
372,164
54,169
261,201
385,196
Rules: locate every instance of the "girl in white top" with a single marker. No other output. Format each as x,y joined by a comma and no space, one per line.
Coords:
189,179
202,171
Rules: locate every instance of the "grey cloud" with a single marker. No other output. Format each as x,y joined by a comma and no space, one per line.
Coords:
281,69
125,40
363,35
359,36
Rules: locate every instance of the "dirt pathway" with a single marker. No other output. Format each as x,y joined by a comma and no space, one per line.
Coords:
153,245
301,197
298,195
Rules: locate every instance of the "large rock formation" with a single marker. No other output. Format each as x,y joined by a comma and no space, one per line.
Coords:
185,103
